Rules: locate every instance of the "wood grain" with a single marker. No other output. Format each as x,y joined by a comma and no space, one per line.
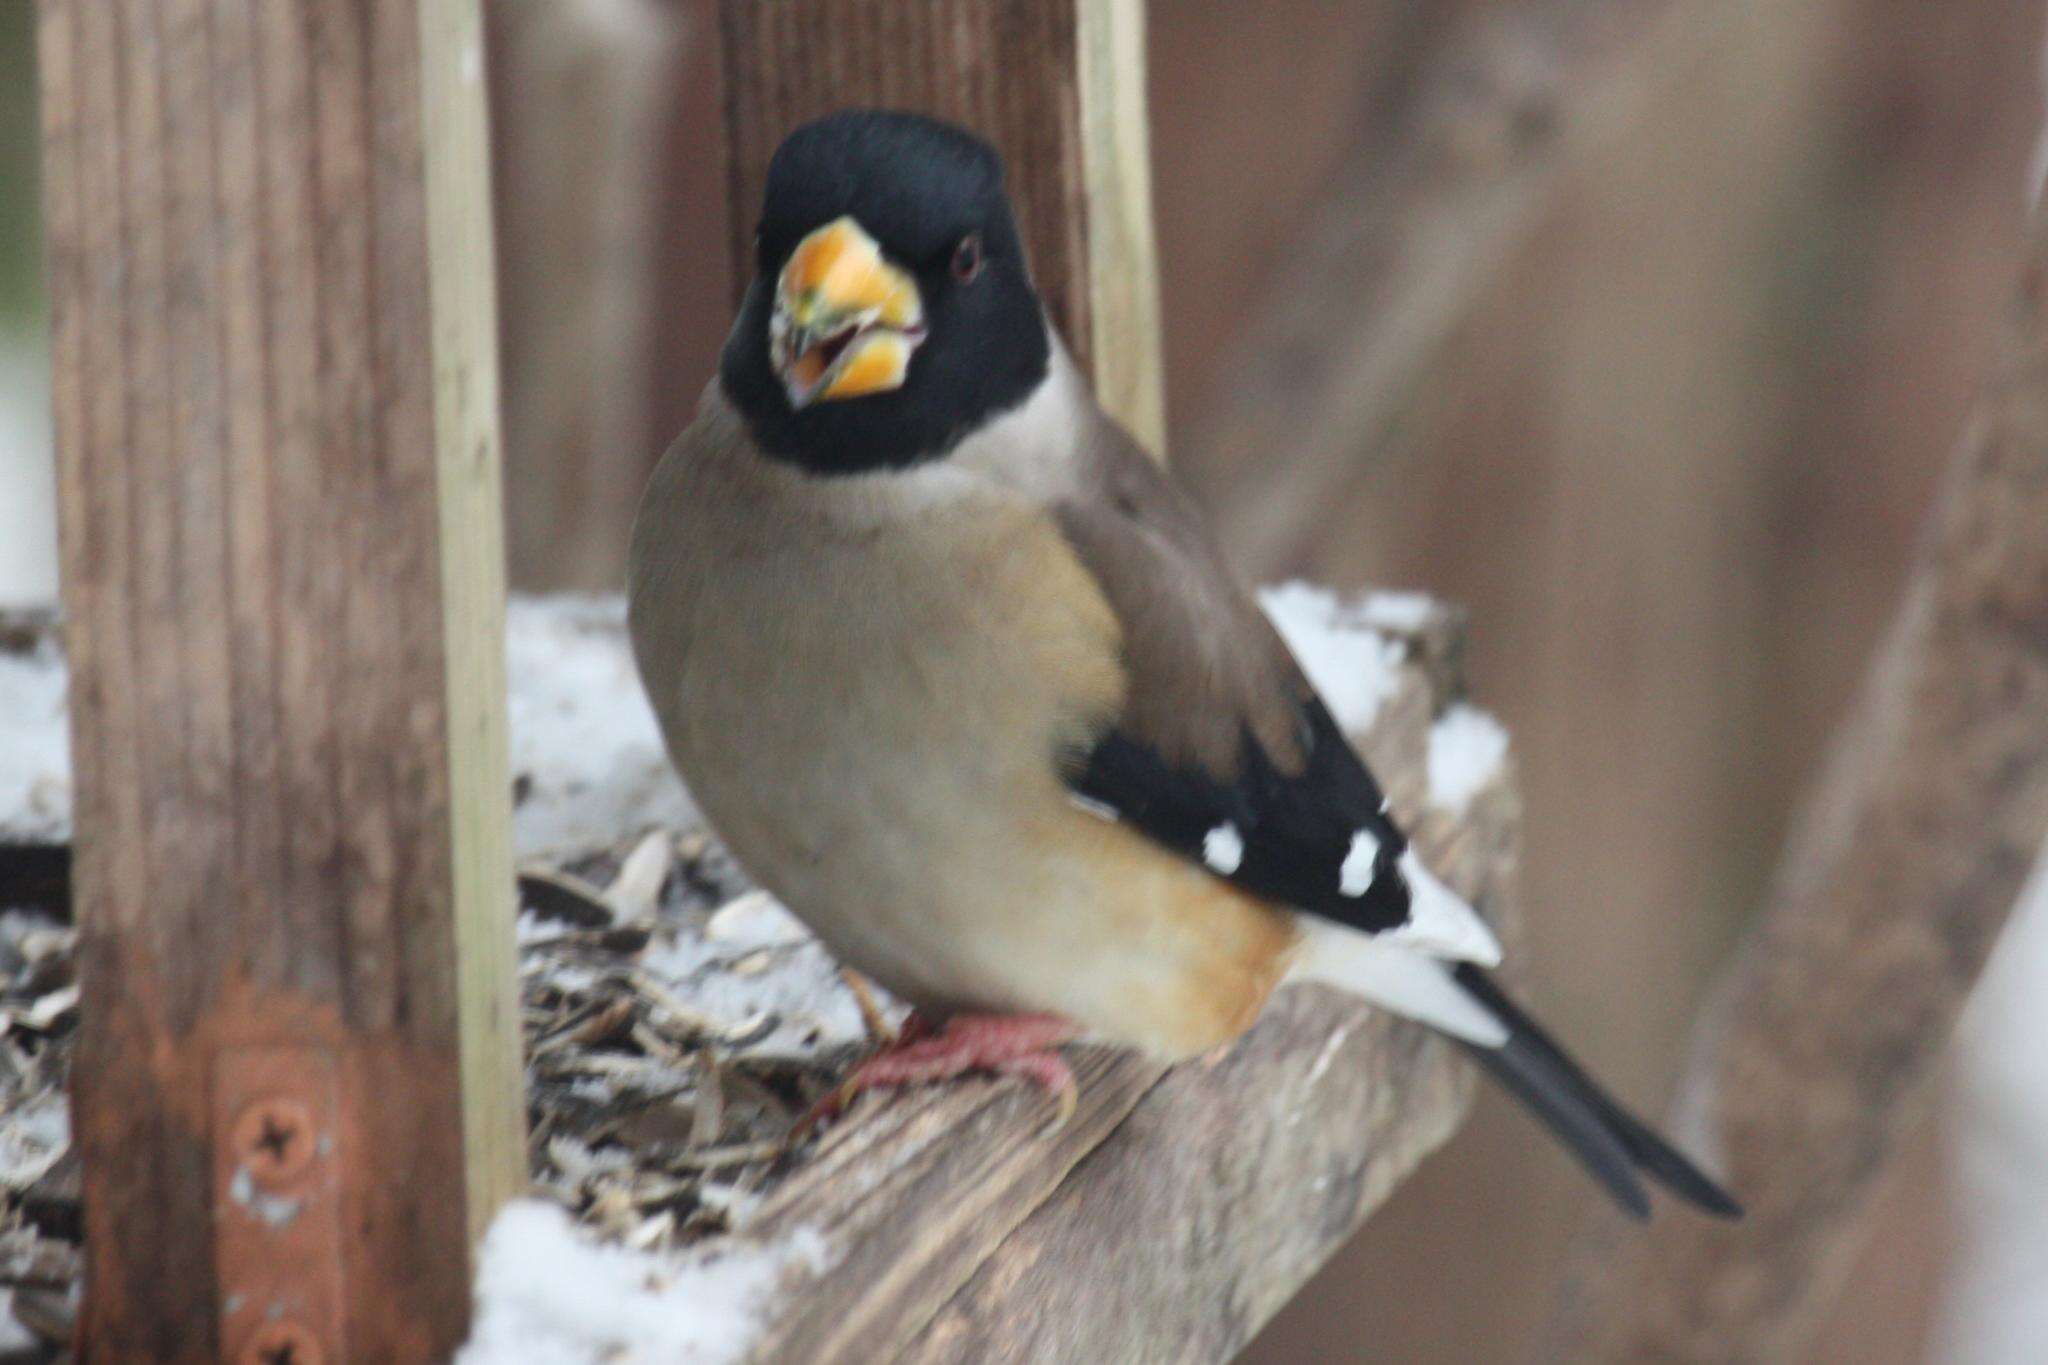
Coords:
581,92
276,422
1056,85
1177,1210
1819,1049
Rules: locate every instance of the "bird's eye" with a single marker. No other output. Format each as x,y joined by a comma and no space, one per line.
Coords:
967,258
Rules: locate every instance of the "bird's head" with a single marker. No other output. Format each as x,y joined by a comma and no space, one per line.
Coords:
891,313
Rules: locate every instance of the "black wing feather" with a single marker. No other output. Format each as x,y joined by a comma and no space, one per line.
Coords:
1296,830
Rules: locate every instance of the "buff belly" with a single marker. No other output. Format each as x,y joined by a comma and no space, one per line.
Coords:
871,724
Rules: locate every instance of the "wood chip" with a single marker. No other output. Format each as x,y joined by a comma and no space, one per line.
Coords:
637,889
637,1095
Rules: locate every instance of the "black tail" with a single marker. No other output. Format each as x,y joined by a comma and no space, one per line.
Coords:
1615,1146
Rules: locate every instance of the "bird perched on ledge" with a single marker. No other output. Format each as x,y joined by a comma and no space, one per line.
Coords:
960,676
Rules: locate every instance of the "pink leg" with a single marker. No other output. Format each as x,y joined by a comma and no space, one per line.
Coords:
1008,1044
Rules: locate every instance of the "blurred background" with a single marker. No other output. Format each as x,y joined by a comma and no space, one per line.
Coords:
1673,456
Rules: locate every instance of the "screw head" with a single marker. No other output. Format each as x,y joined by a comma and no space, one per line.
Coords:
274,1139
282,1342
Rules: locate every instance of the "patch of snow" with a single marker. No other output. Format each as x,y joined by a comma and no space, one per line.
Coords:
277,1210
28,477
14,1338
754,961
1353,664
32,1140
1466,749
735,1203
1996,1306
587,759
755,920
547,1295
1355,877
1223,849
1402,613
35,755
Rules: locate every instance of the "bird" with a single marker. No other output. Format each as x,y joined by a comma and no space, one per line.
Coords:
960,675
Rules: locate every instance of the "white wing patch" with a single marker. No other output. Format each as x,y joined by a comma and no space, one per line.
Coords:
1439,922
1355,877
1223,849
1396,978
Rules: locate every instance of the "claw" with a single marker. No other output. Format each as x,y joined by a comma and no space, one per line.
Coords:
871,1016
1049,1071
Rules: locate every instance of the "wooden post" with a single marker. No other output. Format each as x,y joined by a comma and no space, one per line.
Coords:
582,92
1057,85
297,1085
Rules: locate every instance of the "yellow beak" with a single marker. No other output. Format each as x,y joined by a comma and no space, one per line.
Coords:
846,321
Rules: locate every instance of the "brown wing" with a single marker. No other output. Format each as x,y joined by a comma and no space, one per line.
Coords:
1223,752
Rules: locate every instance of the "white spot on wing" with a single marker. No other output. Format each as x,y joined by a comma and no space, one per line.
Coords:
1355,877
1223,849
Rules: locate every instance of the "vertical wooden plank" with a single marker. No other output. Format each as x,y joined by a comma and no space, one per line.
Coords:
462,282
1116,168
1057,85
583,122
276,401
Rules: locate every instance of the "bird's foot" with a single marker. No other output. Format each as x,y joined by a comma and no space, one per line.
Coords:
1006,1044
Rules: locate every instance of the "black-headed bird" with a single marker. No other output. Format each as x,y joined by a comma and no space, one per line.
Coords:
961,677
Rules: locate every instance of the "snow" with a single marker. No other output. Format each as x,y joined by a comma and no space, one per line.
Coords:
587,760
1996,1307
1397,613
14,1338
1353,661
756,964
755,920
28,480
34,1138
1352,652
1466,750
35,762
1223,849
1354,878
547,1295
586,754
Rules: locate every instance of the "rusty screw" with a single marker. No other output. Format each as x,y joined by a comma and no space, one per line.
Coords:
282,1342
274,1140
